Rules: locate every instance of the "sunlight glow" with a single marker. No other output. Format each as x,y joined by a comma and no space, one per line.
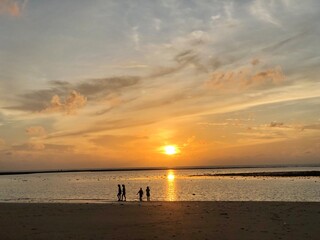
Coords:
170,176
170,149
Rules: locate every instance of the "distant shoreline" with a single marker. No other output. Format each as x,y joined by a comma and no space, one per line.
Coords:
264,174
175,168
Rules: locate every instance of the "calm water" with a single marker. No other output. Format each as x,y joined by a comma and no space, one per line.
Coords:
166,185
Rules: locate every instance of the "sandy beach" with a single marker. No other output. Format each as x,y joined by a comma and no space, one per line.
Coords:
161,220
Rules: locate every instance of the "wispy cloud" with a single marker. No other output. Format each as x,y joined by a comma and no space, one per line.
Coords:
12,7
76,94
261,9
182,60
110,141
284,42
229,12
102,126
39,146
315,126
229,122
157,24
136,37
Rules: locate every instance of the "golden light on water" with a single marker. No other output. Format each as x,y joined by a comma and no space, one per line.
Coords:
170,149
171,190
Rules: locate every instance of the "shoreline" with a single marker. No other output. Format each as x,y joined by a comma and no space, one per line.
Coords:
22,172
160,220
264,174
114,202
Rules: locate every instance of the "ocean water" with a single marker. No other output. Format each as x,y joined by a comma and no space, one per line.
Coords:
165,185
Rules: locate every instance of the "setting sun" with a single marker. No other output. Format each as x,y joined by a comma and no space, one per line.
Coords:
170,150
170,177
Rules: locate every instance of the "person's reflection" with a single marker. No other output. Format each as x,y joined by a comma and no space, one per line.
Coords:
171,194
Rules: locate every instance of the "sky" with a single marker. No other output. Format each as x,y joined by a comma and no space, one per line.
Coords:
104,84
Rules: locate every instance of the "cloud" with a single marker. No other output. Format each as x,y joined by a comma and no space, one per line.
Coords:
235,122
312,126
103,125
39,146
157,24
261,9
182,59
36,145
279,44
273,75
276,124
36,131
2,143
136,37
262,135
255,61
215,17
68,106
213,124
98,88
172,98
245,78
12,7
276,130
229,10
92,89
115,141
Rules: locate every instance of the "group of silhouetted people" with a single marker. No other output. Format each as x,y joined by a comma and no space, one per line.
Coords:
140,193
122,193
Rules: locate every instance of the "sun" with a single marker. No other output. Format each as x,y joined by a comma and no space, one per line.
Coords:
170,177
170,150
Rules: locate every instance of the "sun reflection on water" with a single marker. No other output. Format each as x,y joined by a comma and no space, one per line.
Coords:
171,193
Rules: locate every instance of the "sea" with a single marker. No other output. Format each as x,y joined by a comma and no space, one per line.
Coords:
165,185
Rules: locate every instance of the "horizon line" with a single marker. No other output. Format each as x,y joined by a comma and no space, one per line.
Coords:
154,168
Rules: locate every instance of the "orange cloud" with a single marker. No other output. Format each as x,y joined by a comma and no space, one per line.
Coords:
68,106
245,78
36,131
2,142
12,7
255,61
36,145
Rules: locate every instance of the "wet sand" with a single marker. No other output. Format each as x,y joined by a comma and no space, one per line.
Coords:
160,220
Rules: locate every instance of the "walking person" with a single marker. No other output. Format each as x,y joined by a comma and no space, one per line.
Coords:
140,194
123,197
148,193
119,193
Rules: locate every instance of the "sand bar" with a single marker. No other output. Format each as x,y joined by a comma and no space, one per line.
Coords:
161,220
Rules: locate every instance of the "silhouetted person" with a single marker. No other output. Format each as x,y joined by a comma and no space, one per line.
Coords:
148,193
140,194
123,197
119,192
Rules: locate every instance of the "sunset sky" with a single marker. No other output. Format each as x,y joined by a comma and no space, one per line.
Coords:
98,84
